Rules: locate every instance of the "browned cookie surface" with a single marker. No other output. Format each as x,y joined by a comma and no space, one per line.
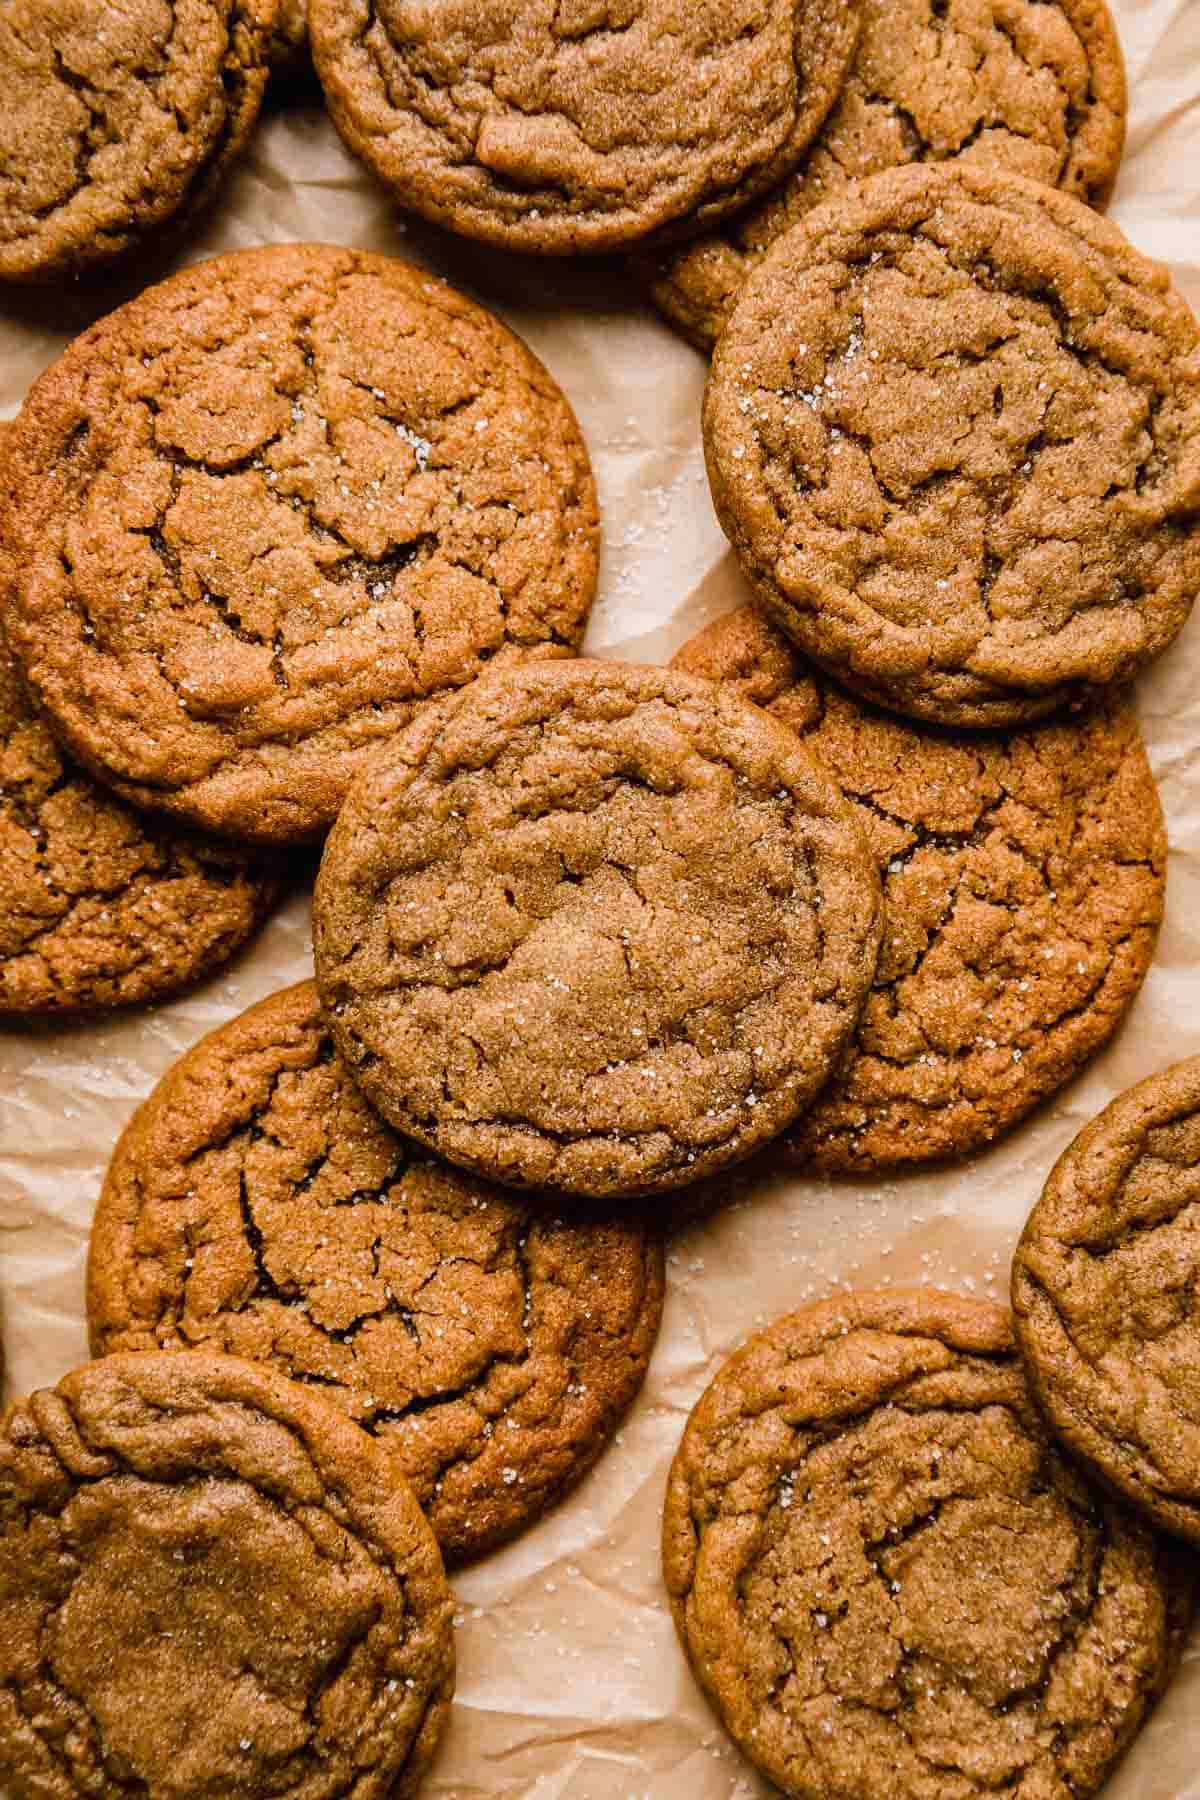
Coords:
258,1205
116,117
1104,1294
270,506
1023,880
569,125
211,1583
953,431
1026,85
594,926
98,906
890,1582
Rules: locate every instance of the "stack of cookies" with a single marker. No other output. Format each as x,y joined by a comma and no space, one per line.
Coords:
299,547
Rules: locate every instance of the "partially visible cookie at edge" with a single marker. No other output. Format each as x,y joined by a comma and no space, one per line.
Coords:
594,926
953,433
1017,84
1023,878
103,906
257,1205
1104,1296
888,1578
116,120
212,1583
265,510
583,126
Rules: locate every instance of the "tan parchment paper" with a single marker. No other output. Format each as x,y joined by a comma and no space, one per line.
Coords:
571,1684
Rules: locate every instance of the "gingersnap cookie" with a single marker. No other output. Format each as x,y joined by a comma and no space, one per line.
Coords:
580,125
595,927
953,432
269,507
1023,883
100,906
116,118
887,1578
1035,86
257,1205
1103,1287
212,1583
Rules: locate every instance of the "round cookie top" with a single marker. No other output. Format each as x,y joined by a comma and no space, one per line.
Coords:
268,507
257,1205
212,1583
103,907
594,926
1104,1296
953,432
886,1577
1023,883
105,133
562,126
1026,85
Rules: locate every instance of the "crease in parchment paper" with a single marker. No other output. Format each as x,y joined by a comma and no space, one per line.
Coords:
571,1683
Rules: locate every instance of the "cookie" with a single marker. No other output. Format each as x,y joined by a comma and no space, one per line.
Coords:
117,118
1104,1297
257,1205
887,1578
269,507
594,927
211,1583
953,432
561,126
1035,86
1023,881
102,907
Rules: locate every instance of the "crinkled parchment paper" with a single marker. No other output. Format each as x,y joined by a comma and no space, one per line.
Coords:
571,1684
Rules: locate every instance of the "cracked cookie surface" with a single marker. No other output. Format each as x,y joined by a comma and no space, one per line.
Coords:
1026,85
889,1580
596,927
1104,1296
953,433
211,1583
116,118
1023,885
563,126
257,1205
102,907
265,510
